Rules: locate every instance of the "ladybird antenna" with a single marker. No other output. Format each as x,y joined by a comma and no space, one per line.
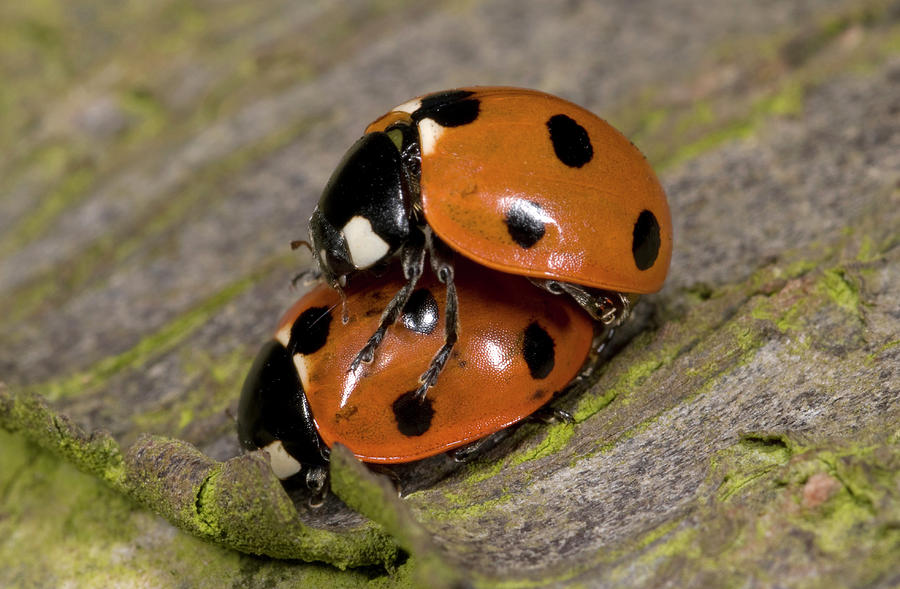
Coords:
298,243
323,315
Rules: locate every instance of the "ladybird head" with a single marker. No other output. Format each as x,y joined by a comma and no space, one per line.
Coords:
364,214
330,249
274,415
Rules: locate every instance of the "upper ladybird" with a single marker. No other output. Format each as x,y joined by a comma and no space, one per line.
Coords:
516,180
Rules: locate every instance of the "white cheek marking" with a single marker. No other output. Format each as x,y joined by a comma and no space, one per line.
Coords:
302,370
284,335
283,464
365,246
429,134
409,107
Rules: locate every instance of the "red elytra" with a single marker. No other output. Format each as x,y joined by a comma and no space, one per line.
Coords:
518,346
528,183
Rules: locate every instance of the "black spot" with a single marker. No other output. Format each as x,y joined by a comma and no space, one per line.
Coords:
538,394
645,244
448,109
570,141
420,313
413,415
310,331
538,351
525,222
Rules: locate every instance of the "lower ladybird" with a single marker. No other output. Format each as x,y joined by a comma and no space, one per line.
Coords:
517,347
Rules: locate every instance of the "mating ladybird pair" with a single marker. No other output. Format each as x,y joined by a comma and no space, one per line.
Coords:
540,223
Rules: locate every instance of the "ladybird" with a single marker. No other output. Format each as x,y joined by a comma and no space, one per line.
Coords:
518,347
516,180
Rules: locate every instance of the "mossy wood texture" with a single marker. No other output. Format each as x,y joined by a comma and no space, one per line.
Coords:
159,158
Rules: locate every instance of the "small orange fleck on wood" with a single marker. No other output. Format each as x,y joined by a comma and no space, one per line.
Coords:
818,489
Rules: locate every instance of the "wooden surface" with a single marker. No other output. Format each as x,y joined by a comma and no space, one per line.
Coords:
157,159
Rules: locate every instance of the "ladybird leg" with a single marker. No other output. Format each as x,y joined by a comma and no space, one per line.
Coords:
444,271
552,415
317,483
545,415
608,307
388,472
413,259
474,449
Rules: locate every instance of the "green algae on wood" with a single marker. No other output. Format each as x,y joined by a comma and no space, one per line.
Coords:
375,497
771,498
61,525
238,503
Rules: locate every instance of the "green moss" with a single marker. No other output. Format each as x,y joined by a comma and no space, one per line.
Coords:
212,393
555,438
835,522
636,373
800,267
237,503
787,320
60,524
662,541
758,505
376,498
97,454
185,417
701,114
47,161
145,109
652,120
864,503
867,250
373,496
871,358
785,101
464,506
205,513
841,290
753,457
480,470
51,513
725,131
792,307
655,535
665,544
700,292
788,101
